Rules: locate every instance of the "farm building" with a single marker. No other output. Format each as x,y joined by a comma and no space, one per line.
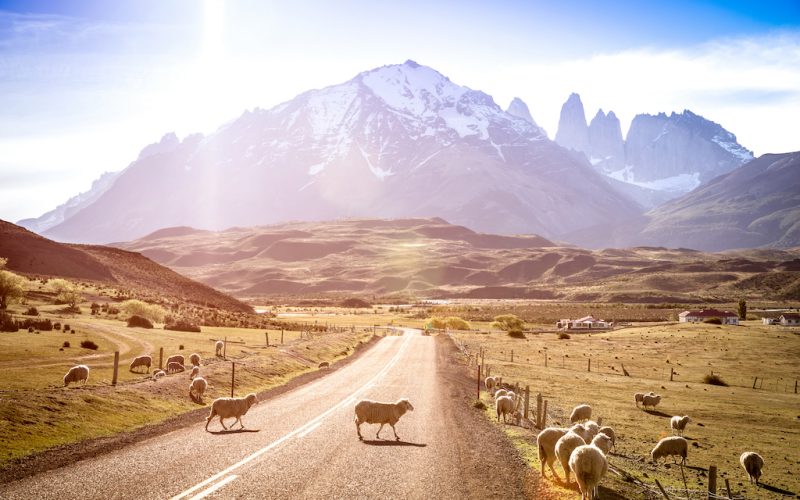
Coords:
585,323
789,319
769,321
727,317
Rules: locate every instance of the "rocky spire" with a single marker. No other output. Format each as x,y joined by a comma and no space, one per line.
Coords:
573,133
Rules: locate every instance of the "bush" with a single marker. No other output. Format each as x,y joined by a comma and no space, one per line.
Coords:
32,311
451,322
138,321
508,322
88,344
563,335
152,312
66,343
355,303
38,324
713,321
517,334
714,379
7,323
182,326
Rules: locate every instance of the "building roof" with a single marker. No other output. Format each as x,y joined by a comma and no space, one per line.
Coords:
709,313
794,316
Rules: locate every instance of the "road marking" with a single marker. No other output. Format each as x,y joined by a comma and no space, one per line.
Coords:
299,430
309,430
214,488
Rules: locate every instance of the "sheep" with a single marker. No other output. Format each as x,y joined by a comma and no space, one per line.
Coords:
608,431
592,427
230,408
512,395
174,367
489,383
671,446
678,424
651,400
194,359
565,445
752,463
546,442
138,361
580,412
583,432
176,358
589,465
197,388
78,373
158,374
500,393
638,398
375,412
194,373
603,442
504,406
218,346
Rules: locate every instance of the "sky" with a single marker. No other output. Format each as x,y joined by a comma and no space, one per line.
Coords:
85,85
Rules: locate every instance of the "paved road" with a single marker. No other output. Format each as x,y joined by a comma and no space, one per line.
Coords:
303,444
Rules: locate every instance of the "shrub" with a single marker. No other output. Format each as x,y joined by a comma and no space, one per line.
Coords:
714,379
508,322
138,321
88,344
563,335
7,323
153,312
32,311
451,322
479,404
517,334
66,343
112,310
182,326
38,324
355,303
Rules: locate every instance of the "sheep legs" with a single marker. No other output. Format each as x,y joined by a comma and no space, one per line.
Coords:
378,434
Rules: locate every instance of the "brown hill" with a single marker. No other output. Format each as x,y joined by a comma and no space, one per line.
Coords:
31,254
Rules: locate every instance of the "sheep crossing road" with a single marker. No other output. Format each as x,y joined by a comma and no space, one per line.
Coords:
303,444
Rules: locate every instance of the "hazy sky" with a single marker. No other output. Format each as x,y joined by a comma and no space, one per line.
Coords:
85,85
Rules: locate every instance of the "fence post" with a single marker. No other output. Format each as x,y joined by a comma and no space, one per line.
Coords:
712,481
545,359
544,415
160,358
728,487
266,338
281,336
116,368
755,379
662,490
233,375
225,350
478,398
671,373
589,368
539,410
527,400
512,355
795,386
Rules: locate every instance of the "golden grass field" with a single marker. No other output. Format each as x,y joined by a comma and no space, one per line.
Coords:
726,421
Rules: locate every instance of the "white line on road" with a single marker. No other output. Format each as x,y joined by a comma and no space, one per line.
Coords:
297,431
309,430
214,488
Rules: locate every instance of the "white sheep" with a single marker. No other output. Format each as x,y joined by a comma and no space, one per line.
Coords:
504,406
219,345
651,400
678,424
376,412
194,359
565,445
174,367
603,442
194,373
78,373
608,431
489,383
593,429
231,408
752,463
638,398
589,464
158,374
176,358
138,361
583,432
197,388
580,412
500,393
546,442
673,446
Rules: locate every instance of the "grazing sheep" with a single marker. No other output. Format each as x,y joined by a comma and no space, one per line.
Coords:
219,345
512,395
158,374
374,412
517,419
231,408
197,388
583,432
580,412
608,431
194,373
592,427
603,442
504,406
651,400
565,445
752,463
174,367
176,358
138,361
489,383
194,359
500,393
589,465
78,373
678,424
674,446
638,398
546,442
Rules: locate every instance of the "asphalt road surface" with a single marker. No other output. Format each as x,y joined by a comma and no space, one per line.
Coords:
303,444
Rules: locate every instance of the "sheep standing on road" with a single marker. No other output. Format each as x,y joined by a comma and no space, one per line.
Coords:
589,464
138,361
565,445
176,358
752,463
219,346
231,408
194,373
651,400
174,367
546,442
674,446
194,359
197,388
375,412
504,406
678,424
78,373
580,413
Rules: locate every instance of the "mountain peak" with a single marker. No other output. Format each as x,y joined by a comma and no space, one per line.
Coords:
573,132
519,109
411,63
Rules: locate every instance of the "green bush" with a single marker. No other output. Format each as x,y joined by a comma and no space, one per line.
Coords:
508,322
563,335
152,312
32,311
182,326
451,322
517,334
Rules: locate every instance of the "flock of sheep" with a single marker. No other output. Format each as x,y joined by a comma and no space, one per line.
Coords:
583,448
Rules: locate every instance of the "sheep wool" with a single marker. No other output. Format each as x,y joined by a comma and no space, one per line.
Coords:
638,398
546,443
197,388
603,442
674,446
752,463
376,412
194,359
489,383
138,361
176,358
593,428
194,373
230,408
608,431
500,393
580,413
589,465
174,367
565,445
78,373
583,432
504,406
678,424
158,374
218,346
651,400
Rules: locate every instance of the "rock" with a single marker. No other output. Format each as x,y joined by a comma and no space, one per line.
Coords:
573,133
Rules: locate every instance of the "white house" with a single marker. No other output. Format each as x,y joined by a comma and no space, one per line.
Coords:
727,317
585,323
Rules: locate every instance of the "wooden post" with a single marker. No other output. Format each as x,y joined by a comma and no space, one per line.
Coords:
795,386
479,383
539,410
160,358
544,415
755,379
671,373
225,349
589,367
712,481
116,368
545,359
266,338
662,490
527,400
512,355
281,336
728,487
233,375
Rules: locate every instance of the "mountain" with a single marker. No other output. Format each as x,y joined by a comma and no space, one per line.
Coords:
573,133
431,258
518,108
32,254
396,141
606,147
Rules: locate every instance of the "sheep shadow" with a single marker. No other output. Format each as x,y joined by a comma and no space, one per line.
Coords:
775,489
658,413
382,442
233,431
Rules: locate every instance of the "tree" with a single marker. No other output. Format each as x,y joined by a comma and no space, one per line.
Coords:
66,293
742,309
11,287
508,322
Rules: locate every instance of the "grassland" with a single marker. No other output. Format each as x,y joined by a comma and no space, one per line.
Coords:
725,420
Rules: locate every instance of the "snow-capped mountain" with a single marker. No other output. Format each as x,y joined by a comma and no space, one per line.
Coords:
518,108
396,141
